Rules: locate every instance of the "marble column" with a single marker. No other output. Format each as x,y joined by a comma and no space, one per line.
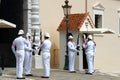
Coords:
35,26
35,19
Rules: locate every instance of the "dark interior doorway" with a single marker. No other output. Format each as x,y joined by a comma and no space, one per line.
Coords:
12,11
85,65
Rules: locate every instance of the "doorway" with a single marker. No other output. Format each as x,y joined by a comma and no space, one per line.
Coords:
12,11
85,65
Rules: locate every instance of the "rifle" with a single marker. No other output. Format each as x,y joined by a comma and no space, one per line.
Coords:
41,42
78,45
33,53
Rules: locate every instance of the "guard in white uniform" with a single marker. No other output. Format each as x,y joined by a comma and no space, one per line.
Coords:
28,55
18,48
71,53
45,48
90,50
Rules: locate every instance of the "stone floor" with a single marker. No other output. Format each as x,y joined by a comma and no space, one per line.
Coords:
57,74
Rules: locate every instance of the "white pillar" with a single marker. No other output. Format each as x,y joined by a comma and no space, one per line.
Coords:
81,55
35,25
35,19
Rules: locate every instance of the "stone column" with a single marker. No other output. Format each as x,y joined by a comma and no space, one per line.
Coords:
35,19
32,18
35,26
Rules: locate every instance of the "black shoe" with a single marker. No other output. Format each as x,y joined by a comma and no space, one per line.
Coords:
28,75
44,77
72,72
20,78
89,73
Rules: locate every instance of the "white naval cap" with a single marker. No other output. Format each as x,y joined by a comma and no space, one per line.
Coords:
20,32
46,34
28,34
90,36
70,37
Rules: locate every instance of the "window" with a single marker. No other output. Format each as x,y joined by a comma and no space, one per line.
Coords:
98,10
98,21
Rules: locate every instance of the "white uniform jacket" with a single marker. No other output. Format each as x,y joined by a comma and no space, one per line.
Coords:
46,45
90,47
19,44
28,46
72,47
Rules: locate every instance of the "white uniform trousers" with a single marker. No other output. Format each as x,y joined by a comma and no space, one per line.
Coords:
28,62
90,61
46,63
71,61
19,62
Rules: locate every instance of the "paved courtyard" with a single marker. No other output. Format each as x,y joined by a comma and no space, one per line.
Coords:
56,74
